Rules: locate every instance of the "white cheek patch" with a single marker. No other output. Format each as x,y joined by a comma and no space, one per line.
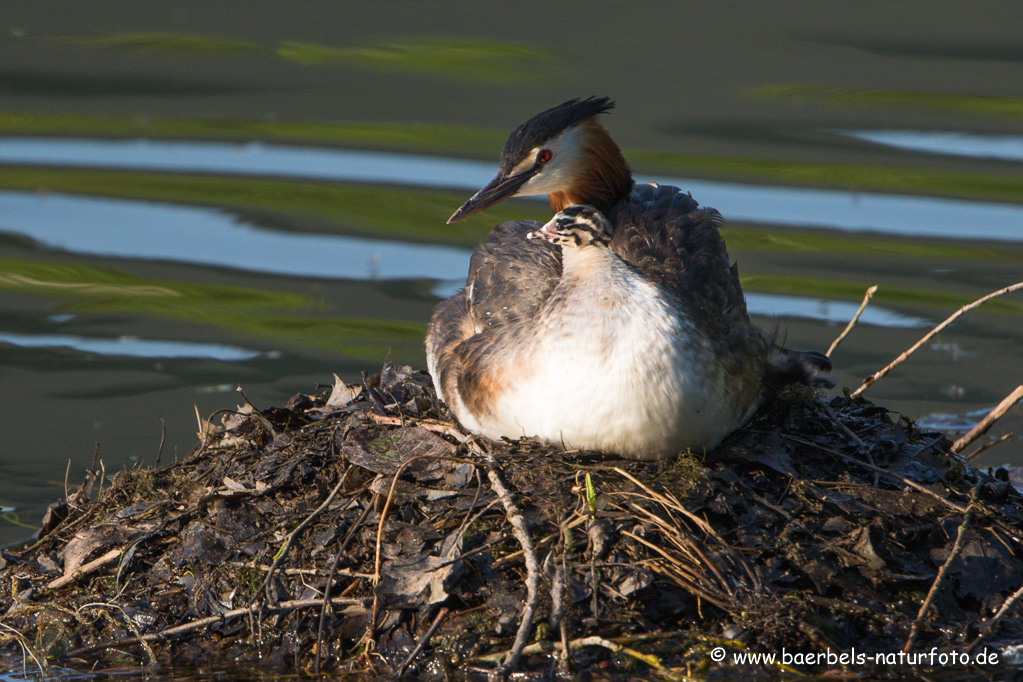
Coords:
566,150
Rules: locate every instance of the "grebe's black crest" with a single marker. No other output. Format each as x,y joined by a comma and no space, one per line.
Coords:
547,124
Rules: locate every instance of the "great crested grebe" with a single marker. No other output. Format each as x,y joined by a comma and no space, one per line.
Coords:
619,326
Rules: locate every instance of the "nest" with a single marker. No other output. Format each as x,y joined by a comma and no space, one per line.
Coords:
360,530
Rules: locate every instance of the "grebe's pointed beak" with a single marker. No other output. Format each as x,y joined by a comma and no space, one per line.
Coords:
501,187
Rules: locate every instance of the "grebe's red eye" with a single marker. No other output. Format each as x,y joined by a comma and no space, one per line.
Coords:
543,156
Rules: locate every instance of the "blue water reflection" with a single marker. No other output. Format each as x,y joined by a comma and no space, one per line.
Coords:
254,158
206,236
210,237
1002,147
128,346
854,211
836,312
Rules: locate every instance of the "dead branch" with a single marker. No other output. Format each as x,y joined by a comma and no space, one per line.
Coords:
425,639
905,354
671,503
1006,606
986,446
681,577
344,572
212,620
128,621
558,591
849,432
957,547
884,472
687,577
330,584
371,628
594,576
390,497
94,565
283,551
518,525
163,439
852,323
994,415
542,542
428,424
549,647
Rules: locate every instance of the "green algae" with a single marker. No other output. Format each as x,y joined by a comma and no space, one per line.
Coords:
487,61
976,105
276,316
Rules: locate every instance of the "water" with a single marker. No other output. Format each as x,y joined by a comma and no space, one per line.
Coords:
214,238
1002,147
176,224
162,242
131,347
786,206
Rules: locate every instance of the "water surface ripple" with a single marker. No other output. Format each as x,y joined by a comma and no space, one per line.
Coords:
214,237
798,207
206,236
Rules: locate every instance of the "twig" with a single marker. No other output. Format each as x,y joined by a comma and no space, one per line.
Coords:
852,323
547,647
469,518
467,523
87,482
204,428
859,441
897,361
985,446
283,551
390,496
689,585
429,425
128,621
957,547
23,642
557,620
102,477
994,415
849,432
330,584
558,591
246,398
67,495
594,577
163,439
372,395
566,660
472,552
203,622
518,525
422,642
371,628
669,503
542,542
1008,604
108,558
903,479
343,572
